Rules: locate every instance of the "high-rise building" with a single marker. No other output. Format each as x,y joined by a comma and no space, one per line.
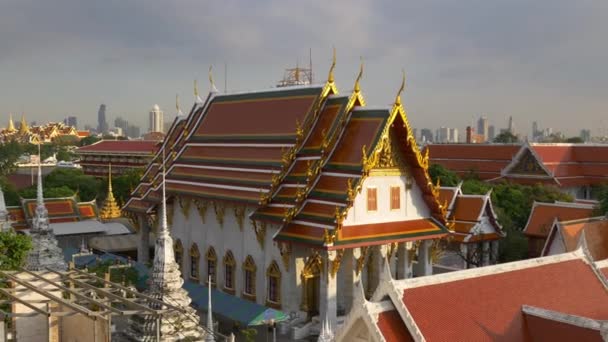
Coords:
426,135
443,135
71,121
156,120
586,135
491,132
511,127
102,124
534,129
121,123
482,126
133,131
453,132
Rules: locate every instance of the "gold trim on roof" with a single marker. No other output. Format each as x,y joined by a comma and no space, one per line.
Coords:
330,77
110,209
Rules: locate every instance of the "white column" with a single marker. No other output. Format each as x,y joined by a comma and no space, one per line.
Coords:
328,289
464,251
494,251
349,269
424,266
404,269
485,253
143,249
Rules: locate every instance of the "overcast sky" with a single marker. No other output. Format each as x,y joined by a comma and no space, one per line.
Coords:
541,60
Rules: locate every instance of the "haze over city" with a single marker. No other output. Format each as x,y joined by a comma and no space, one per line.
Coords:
537,61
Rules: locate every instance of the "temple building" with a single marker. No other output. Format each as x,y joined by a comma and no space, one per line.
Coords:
476,231
557,298
567,236
45,133
573,168
283,196
543,216
123,155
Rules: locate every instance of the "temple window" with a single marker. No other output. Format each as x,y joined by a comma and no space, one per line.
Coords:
229,271
179,253
211,266
274,285
395,197
372,199
195,257
249,270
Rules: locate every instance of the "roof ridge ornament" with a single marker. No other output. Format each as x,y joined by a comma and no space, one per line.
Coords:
177,106
330,77
358,80
401,88
213,89
197,98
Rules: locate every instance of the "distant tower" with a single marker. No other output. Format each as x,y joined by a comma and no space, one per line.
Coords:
23,128
110,209
482,127
156,119
102,124
534,129
491,132
511,127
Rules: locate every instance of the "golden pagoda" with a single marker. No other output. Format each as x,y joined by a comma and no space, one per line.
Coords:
11,125
110,209
24,128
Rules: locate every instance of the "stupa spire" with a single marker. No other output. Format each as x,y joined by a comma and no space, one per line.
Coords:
23,128
110,209
11,125
166,285
45,252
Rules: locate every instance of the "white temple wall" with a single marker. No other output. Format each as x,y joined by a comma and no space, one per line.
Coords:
412,205
241,243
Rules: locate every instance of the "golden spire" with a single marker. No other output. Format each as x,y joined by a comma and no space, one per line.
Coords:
24,128
110,209
330,77
400,91
357,86
211,82
11,125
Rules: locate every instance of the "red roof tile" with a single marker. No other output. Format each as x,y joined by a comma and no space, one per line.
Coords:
392,327
543,329
489,306
544,214
468,208
146,147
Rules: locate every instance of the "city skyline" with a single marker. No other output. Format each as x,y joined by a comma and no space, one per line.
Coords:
539,61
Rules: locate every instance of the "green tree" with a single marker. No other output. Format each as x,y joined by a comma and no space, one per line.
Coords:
124,184
506,137
125,274
602,196
13,249
575,140
66,140
86,186
445,176
91,139
475,186
10,152
49,192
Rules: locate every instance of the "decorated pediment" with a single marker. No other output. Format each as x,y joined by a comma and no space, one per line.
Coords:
387,159
528,164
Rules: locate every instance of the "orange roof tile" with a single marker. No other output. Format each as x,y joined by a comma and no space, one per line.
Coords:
489,307
392,327
544,214
468,208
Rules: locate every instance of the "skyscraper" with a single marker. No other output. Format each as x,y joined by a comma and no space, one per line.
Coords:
511,127
491,132
426,135
482,126
102,124
156,120
71,121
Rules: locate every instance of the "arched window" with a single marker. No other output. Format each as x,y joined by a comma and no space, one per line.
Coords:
229,272
195,257
249,270
273,297
179,253
211,266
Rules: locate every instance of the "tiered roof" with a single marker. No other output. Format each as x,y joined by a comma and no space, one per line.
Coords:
570,235
296,154
64,209
465,212
543,216
562,297
563,165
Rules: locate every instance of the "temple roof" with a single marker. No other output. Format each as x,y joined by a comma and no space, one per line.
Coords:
287,152
562,297
64,209
543,215
592,232
128,147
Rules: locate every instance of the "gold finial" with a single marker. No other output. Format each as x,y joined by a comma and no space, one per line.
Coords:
24,128
211,82
357,86
177,102
195,88
400,91
11,125
330,78
110,209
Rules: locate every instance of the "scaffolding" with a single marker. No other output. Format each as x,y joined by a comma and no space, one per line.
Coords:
296,76
77,292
